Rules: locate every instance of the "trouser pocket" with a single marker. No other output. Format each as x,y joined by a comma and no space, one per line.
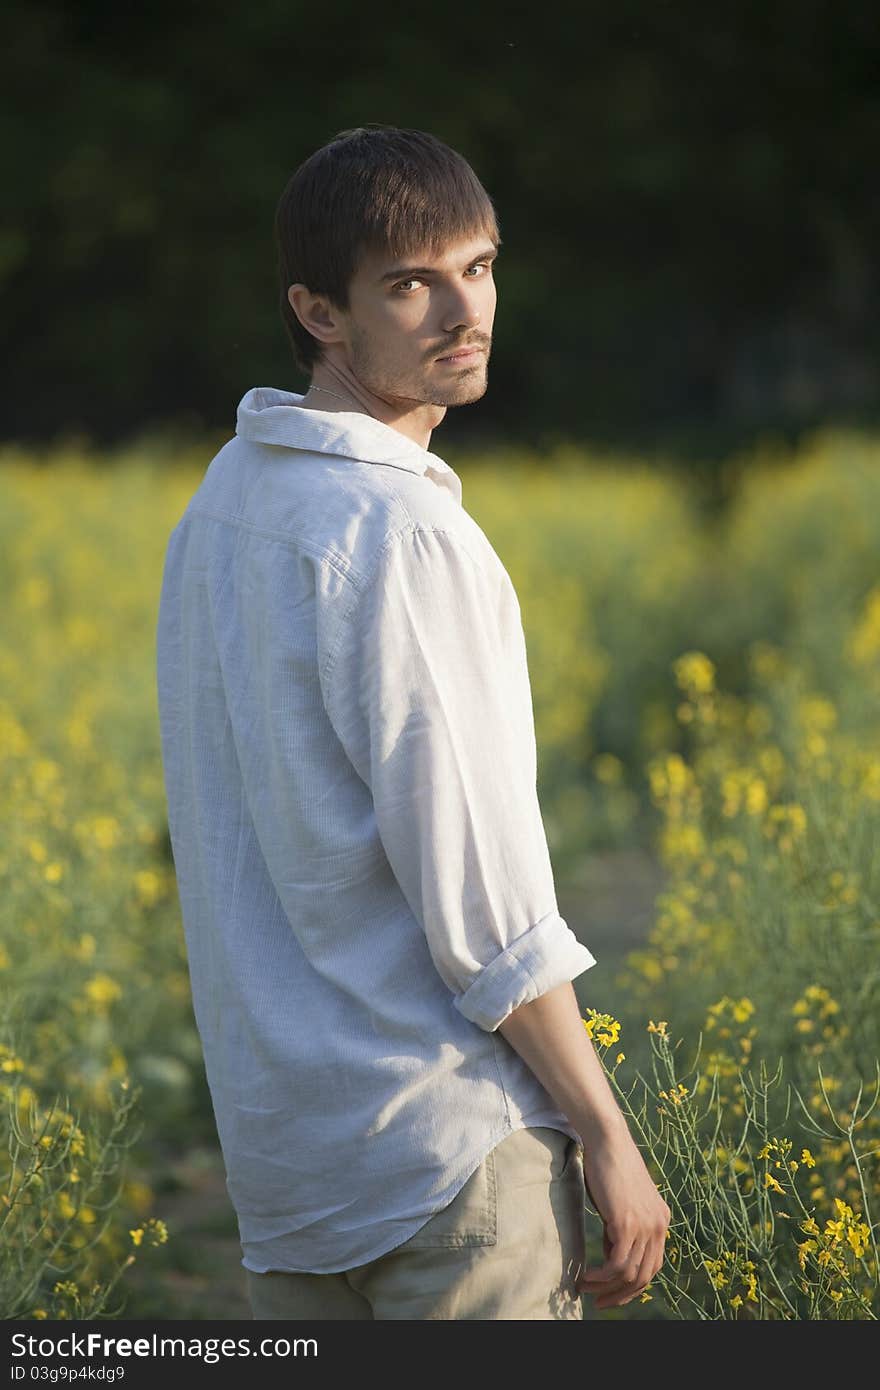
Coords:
471,1218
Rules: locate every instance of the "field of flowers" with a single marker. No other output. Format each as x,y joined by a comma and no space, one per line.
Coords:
707,684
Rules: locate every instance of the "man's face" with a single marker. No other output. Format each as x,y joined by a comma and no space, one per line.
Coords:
406,316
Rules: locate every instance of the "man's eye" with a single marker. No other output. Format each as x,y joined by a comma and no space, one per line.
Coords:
401,284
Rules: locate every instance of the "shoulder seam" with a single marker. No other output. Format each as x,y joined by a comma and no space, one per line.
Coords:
280,538
408,530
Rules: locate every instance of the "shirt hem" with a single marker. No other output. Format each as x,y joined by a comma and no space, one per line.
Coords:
538,1121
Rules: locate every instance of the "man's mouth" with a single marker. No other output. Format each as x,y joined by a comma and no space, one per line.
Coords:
461,355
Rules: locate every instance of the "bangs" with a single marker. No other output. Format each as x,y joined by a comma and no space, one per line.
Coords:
408,216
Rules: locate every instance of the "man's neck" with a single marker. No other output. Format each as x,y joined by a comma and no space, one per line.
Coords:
413,420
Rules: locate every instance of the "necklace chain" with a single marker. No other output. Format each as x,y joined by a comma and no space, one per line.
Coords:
329,393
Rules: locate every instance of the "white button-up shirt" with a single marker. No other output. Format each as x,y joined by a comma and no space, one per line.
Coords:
365,885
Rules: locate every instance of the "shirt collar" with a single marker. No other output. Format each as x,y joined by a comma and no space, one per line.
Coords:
269,415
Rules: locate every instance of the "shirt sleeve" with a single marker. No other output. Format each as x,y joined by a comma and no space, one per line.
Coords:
427,687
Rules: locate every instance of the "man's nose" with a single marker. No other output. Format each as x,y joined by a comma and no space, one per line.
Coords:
462,311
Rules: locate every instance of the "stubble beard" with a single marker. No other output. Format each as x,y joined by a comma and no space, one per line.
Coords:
470,385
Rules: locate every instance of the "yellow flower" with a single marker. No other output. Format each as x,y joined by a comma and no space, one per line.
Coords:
694,671
856,1240
756,796
101,989
803,1250
148,886
137,1235
608,1028
107,831
65,1206
807,1157
86,947
158,1230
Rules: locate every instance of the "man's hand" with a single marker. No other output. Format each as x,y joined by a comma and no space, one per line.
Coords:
634,1215
549,1034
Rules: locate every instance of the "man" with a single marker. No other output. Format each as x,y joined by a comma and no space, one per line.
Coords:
409,1107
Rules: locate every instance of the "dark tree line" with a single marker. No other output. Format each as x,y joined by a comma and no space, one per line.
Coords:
687,194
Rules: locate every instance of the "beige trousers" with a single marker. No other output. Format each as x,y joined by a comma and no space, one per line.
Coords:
510,1245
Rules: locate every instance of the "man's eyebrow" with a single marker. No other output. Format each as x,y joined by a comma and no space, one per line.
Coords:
406,272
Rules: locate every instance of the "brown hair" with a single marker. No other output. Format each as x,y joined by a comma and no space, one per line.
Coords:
372,188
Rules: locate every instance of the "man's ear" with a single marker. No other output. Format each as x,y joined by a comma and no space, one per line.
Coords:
316,314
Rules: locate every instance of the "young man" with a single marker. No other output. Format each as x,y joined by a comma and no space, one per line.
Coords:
409,1107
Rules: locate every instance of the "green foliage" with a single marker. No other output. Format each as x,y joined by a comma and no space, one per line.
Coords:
62,1244
755,1231
676,255
710,684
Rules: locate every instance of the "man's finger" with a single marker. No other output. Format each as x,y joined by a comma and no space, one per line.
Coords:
613,1269
626,1290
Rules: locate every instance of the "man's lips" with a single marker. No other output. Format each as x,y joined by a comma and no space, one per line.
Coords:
462,353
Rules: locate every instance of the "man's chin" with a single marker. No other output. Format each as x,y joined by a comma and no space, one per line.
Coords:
450,393
464,393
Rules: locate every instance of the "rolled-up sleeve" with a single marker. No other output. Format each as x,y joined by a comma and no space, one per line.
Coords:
428,690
